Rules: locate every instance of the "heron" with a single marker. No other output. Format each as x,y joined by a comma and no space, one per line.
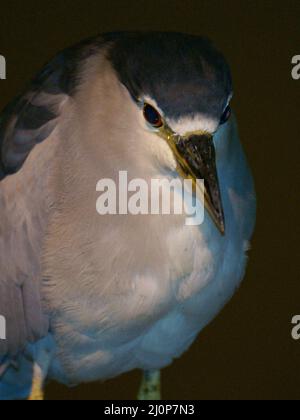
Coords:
88,297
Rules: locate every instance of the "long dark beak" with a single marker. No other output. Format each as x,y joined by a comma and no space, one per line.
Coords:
196,159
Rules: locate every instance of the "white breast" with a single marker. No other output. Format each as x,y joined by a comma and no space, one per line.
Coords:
141,292
158,317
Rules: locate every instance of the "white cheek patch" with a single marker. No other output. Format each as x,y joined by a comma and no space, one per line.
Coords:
190,125
162,152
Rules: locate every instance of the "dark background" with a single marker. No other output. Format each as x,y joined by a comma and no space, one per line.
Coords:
247,352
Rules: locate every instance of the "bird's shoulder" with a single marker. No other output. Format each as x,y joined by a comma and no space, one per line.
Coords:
32,116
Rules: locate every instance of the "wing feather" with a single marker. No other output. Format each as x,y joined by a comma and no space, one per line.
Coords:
26,122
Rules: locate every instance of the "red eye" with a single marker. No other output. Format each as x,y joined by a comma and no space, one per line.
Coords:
226,115
152,116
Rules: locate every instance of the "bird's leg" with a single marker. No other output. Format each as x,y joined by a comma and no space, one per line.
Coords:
150,388
41,365
37,393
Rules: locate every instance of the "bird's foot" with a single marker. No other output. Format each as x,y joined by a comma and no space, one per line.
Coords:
37,393
151,387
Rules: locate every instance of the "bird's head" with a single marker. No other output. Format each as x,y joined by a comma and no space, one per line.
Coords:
181,88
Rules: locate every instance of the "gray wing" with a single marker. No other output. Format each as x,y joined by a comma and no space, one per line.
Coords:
26,122
32,116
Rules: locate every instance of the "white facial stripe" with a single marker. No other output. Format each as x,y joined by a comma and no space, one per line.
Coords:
189,125
186,125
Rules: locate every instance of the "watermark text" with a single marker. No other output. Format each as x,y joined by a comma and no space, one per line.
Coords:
2,328
2,67
296,67
154,197
296,328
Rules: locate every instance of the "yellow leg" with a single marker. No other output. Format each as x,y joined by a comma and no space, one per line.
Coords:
151,386
37,393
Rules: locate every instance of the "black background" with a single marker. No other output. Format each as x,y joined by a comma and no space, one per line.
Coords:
247,352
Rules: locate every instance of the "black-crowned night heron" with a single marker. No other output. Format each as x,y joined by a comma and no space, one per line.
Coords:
88,297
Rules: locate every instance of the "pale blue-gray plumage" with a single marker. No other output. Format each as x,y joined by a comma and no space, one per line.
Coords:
88,297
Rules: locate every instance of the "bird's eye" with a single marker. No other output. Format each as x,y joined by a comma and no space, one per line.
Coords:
152,116
226,115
